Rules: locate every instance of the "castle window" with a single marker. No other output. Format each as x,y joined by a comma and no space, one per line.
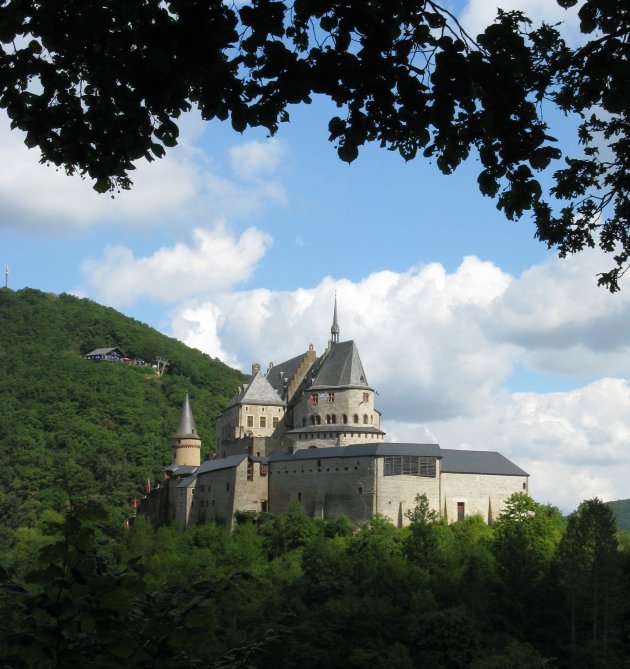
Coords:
327,419
227,487
250,471
313,398
312,420
318,420
299,497
303,421
275,421
333,418
524,486
263,421
461,511
331,397
366,397
344,419
250,421
365,419
360,490
355,418
409,465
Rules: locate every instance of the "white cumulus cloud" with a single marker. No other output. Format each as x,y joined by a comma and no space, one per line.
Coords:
214,261
438,346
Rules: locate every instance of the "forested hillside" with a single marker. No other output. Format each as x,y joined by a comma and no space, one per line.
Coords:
70,427
621,509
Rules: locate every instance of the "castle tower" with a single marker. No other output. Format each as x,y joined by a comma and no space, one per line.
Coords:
185,443
334,330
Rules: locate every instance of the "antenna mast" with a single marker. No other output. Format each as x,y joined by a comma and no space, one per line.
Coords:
6,276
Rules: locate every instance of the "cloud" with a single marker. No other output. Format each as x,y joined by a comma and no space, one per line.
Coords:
185,185
561,321
214,261
573,444
438,346
478,14
254,160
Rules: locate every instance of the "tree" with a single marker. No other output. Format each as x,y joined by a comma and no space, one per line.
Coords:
589,565
526,537
99,85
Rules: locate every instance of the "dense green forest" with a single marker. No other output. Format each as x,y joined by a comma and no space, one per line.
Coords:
621,509
78,440
70,428
287,591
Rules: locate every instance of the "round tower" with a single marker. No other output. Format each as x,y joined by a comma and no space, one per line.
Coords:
185,443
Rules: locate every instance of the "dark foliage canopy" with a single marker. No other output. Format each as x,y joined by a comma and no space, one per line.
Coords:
99,85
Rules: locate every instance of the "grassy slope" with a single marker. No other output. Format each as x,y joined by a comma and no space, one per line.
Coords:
95,429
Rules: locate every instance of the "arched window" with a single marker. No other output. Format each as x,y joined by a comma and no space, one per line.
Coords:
365,419
333,419
303,421
318,420
355,418
312,420
344,419
327,419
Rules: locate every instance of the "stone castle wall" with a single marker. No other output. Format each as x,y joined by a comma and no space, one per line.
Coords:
325,488
483,494
396,495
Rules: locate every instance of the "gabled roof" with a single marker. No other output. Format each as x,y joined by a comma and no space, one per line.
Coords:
341,367
104,351
284,371
478,462
258,391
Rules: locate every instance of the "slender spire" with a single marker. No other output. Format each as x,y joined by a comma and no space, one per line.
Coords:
186,425
334,330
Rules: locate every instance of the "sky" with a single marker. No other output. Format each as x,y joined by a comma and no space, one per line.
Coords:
474,334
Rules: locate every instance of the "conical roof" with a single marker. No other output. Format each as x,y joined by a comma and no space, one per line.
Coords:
186,426
341,367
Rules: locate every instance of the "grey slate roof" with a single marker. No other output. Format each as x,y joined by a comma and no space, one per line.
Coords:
258,391
104,351
341,367
285,370
186,426
180,470
358,450
478,462
212,466
220,463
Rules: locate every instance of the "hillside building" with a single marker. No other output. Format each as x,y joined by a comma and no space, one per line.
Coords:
307,431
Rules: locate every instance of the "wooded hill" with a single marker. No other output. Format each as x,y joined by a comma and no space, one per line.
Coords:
71,427
621,509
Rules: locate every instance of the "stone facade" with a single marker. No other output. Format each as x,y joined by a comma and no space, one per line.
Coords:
307,432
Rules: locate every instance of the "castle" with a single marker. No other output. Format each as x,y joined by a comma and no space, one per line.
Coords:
307,431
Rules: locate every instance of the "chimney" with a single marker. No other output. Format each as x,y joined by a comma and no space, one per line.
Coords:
255,368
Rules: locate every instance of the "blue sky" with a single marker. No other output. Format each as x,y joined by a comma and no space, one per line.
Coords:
474,334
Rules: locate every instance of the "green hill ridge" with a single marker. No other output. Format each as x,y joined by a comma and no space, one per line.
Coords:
621,509
71,427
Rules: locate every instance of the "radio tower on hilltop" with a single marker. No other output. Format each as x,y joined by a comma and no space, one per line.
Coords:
6,276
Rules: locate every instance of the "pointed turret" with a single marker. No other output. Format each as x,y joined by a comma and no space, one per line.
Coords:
185,443
334,330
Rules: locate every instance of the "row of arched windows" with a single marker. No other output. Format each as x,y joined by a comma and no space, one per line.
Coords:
331,419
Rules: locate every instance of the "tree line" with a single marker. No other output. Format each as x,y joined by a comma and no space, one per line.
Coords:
533,590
